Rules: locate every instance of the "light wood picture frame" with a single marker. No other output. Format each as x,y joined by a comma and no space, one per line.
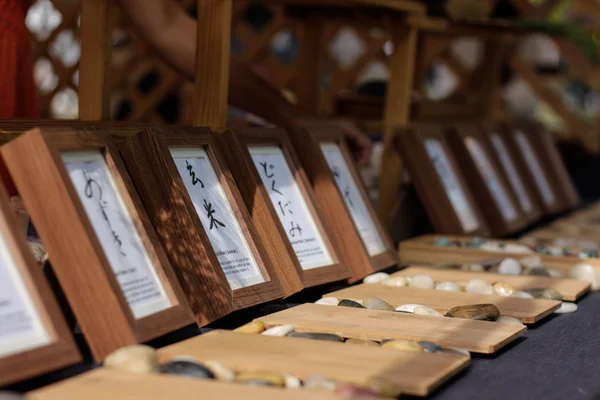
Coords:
377,244
82,201
190,226
489,187
534,172
528,203
440,183
28,298
268,220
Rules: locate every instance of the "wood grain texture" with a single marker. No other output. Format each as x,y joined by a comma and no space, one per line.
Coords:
68,235
104,384
309,57
212,63
415,373
61,351
409,6
526,310
476,336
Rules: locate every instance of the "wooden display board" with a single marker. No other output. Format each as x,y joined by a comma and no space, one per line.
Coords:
199,215
482,173
527,311
421,250
476,336
570,289
282,205
439,182
34,338
101,244
377,243
531,168
530,209
415,373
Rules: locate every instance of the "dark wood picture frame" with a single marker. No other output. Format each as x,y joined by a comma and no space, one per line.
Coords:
326,132
492,133
410,142
40,175
62,350
490,199
162,190
552,204
263,212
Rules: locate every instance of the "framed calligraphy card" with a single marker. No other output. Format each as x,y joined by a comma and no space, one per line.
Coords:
439,182
282,205
490,188
532,169
186,186
100,242
376,243
34,338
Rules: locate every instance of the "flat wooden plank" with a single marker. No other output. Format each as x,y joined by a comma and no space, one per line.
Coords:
570,289
476,336
103,384
526,310
415,373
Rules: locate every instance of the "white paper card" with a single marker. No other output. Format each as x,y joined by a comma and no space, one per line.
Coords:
291,207
217,217
536,169
491,179
353,199
21,327
452,186
511,172
116,232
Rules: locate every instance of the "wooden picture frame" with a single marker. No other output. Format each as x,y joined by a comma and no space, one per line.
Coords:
262,210
151,161
525,194
532,170
59,209
482,172
454,213
55,347
377,245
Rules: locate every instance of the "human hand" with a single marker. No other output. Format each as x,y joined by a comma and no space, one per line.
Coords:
359,143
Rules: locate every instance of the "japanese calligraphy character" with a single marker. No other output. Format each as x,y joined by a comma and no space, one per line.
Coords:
295,229
193,175
347,195
273,188
336,172
209,213
283,207
271,166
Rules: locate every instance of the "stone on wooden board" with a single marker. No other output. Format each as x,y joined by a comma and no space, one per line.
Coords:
375,303
330,337
377,277
186,368
504,289
140,359
509,320
408,308
362,342
479,286
405,345
281,330
220,371
251,327
566,308
421,281
586,272
430,347
261,378
328,301
398,281
422,310
479,312
510,266
350,303
448,286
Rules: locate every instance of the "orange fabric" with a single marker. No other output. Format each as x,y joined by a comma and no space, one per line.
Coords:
18,97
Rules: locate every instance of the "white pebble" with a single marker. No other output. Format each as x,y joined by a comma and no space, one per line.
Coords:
531,261
509,266
555,273
566,307
328,301
139,359
421,281
509,320
522,295
377,277
291,382
585,272
398,281
220,371
479,286
448,286
421,310
408,307
281,330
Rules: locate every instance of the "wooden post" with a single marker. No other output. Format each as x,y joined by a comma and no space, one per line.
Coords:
212,63
490,85
397,113
307,90
96,46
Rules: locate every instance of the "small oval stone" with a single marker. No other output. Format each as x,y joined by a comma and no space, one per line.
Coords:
350,303
220,371
319,382
328,301
448,286
544,293
281,330
430,347
384,387
441,241
510,266
479,286
139,359
409,308
566,307
251,327
585,272
421,281
522,295
479,312
399,281
291,382
422,310
375,303
509,320
330,337
472,267
504,289
532,262
261,378
186,368
377,277
362,342
406,345
554,273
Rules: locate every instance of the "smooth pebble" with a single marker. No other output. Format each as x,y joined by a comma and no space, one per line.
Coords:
220,371
281,330
509,266
328,301
509,320
139,359
187,368
399,281
448,286
504,289
426,311
586,272
377,277
330,337
566,307
406,345
531,262
421,281
375,303
554,273
362,342
479,286
251,327
291,382
522,295
350,303
261,378
410,308
430,347
479,312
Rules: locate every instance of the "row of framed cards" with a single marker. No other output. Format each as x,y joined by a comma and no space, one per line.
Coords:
489,179
153,231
